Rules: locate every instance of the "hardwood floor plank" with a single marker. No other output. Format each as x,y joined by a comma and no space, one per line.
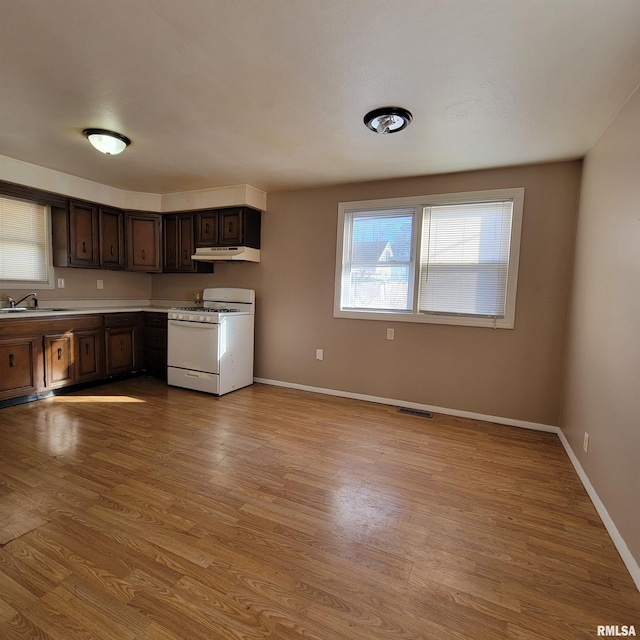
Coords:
278,514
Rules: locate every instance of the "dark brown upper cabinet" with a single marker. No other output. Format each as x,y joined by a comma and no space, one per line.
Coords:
86,235
111,238
179,245
83,230
228,227
143,242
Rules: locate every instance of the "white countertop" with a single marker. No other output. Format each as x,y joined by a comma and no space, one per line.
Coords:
46,312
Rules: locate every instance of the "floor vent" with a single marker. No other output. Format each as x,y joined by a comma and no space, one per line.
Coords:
415,412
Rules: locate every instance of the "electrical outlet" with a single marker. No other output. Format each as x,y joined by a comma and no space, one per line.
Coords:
391,334
585,442
60,283
100,284
319,354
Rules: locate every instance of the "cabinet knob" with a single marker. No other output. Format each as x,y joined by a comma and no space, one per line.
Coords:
12,362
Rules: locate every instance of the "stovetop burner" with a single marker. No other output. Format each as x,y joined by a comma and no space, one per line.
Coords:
208,310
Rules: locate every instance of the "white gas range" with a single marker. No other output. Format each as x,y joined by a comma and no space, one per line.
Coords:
210,347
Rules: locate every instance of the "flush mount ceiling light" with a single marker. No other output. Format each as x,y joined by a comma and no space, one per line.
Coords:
388,119
106,141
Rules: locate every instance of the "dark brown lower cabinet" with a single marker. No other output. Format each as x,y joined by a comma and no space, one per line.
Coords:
122,342
58,360
41,355
18,366
89,355
155,344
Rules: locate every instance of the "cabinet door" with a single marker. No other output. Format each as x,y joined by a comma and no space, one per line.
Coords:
186,244
155,344
111,238
207,228
58,360
17,367
170,243
143,242
231,227
89,350
83,235
121,350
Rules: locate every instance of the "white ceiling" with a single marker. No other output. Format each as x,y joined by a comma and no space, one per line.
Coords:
272,93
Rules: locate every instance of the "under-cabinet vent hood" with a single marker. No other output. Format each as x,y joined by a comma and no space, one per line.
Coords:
218,254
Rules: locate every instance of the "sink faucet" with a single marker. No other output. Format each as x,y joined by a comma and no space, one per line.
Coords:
14,304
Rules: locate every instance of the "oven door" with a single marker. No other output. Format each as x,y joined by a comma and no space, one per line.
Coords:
193,346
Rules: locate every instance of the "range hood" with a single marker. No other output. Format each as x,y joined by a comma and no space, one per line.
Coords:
222,254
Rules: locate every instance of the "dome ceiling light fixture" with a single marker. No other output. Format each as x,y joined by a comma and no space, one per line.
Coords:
388,119
106,141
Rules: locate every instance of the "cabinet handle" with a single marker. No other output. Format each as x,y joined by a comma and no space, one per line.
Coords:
142,253
12,362
59,354
186,253
113,251
206,228
121,345
86,348
84,247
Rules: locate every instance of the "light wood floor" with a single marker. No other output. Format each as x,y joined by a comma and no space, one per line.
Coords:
135,511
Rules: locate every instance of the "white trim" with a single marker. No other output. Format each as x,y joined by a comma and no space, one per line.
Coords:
516,194
618,541
536,426
31,175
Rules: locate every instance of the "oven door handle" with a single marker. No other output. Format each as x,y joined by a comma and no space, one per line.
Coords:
192,325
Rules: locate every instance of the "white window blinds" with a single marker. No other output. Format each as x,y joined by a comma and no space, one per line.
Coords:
23,242
377,269
464,262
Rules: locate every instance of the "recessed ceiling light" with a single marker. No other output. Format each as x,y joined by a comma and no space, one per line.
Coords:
388,119
106,141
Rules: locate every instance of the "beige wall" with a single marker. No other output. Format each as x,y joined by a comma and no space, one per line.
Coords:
602,382
506,373
80,285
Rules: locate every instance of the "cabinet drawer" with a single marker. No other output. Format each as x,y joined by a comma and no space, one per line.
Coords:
155,319
112,320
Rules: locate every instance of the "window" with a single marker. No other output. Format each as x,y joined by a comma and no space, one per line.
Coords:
450,259
24,244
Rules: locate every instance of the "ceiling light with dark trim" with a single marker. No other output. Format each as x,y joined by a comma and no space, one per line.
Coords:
388,119
106,141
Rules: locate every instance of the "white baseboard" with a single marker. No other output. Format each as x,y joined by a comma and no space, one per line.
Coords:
414,405
618,541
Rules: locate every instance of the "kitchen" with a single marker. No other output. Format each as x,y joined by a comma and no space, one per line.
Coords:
514,377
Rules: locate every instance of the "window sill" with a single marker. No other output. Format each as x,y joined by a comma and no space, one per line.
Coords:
393,316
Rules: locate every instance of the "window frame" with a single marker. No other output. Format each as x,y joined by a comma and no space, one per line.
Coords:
48,282
419,203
